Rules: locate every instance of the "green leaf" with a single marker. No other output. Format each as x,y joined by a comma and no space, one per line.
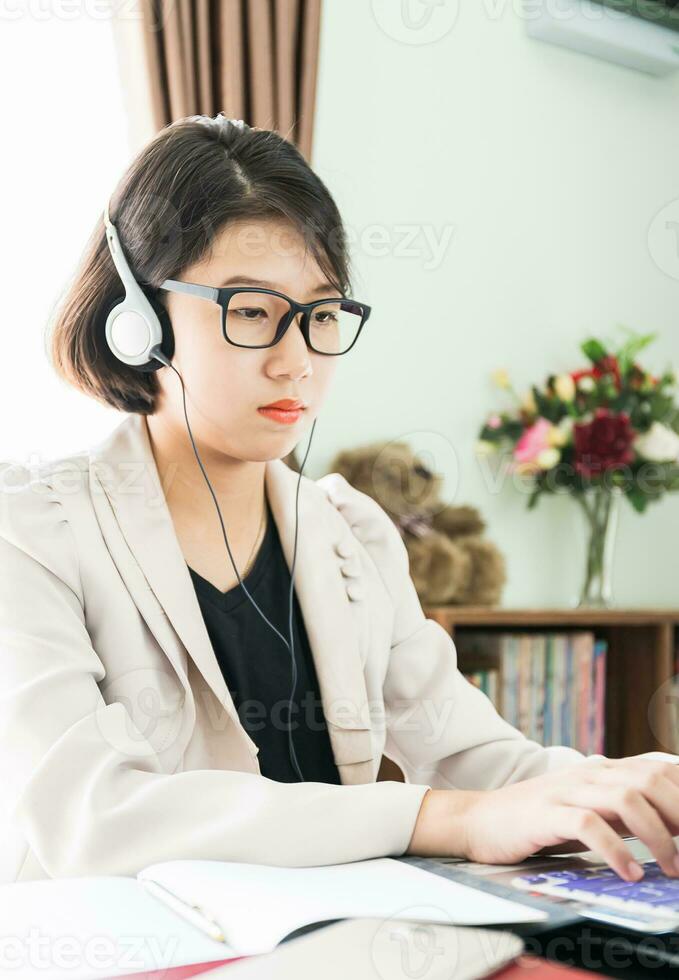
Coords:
637,498
514,429
628,352
552,409
534,497
594,350
625,401
672,477
662,407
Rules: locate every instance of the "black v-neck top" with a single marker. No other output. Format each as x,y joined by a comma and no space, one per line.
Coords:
257,666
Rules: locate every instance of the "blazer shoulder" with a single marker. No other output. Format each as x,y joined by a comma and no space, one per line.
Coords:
34,516
372,527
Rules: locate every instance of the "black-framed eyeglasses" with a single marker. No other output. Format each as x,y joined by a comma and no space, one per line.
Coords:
255,317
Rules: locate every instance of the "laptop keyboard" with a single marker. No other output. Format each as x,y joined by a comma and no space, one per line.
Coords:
654,894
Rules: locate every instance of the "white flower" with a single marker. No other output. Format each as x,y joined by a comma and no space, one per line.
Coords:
658,445
548,458
586,383
560,434
566,426
500,378
484,447
528,402
564,386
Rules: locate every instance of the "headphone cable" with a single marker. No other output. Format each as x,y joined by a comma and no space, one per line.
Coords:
159,355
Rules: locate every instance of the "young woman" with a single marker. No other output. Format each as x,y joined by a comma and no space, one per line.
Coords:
170,689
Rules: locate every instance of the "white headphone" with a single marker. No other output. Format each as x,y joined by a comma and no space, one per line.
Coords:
138,323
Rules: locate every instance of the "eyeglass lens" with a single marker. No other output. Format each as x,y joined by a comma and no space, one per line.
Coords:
255,319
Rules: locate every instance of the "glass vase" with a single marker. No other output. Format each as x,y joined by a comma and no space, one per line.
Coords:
600,506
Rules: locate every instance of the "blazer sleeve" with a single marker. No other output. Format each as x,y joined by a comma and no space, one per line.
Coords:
87,807
441,728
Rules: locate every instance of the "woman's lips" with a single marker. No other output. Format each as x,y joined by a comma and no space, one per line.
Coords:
285,416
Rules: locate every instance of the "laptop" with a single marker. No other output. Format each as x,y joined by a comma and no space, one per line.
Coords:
581,892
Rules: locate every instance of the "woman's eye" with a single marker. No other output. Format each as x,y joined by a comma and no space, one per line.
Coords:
244,311
331,317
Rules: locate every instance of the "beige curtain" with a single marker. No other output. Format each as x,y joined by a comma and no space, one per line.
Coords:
255,60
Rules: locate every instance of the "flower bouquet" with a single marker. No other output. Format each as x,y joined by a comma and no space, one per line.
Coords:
607,431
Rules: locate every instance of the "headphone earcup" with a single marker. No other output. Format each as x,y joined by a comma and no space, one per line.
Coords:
166,344
167,334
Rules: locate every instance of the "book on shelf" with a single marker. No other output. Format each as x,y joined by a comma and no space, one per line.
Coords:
551,686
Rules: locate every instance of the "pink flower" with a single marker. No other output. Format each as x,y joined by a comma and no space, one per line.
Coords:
533,441
494,422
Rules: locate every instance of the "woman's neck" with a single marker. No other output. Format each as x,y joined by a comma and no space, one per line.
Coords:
237,484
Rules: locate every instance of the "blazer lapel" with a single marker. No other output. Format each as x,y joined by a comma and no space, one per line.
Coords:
124,465
330,621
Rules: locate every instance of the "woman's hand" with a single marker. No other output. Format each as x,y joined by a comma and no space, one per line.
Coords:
585,806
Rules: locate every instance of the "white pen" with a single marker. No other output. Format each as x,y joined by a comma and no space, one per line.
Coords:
193,913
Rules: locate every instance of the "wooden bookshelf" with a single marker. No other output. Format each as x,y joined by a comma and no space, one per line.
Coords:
640,657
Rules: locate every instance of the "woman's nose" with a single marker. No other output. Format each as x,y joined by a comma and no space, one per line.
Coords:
291,353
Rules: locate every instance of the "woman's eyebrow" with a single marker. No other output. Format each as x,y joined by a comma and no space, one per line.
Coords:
248,281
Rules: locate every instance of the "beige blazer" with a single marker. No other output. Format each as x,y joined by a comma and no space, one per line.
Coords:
119,741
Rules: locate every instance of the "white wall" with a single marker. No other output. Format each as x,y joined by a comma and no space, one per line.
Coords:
549,167
65,147
544,167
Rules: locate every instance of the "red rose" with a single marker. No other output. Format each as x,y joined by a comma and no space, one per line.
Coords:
576,375
607,365
603,444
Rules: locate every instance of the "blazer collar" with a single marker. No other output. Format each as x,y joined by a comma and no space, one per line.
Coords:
124,465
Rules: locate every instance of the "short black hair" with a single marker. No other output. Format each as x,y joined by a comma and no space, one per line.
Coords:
193,178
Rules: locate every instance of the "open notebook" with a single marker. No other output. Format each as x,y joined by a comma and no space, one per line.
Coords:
191,911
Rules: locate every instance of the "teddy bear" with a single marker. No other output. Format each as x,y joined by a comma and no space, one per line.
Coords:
450,561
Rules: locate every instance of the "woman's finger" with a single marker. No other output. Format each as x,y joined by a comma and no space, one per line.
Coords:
577,823
643,766
637,813
654,783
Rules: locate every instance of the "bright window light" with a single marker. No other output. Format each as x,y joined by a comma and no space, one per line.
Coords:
65,146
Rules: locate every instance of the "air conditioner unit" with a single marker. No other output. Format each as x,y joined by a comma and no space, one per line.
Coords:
641,34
